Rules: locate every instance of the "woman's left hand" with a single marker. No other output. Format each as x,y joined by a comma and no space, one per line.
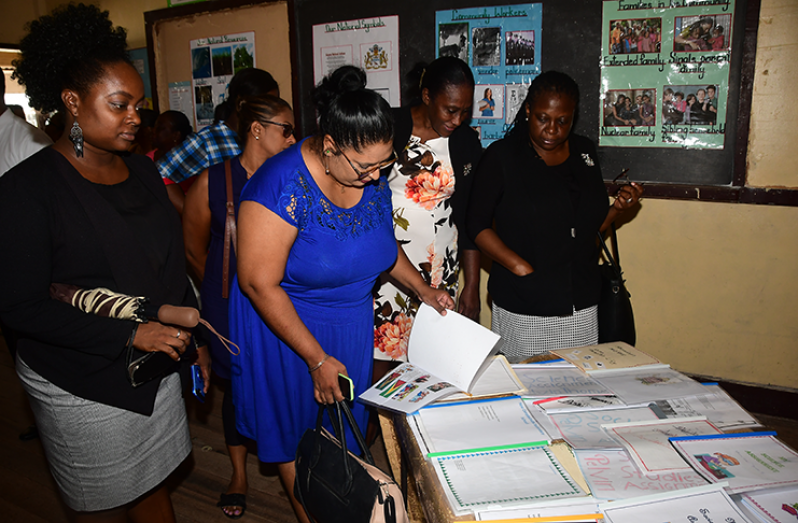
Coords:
437,299
628,196
204,361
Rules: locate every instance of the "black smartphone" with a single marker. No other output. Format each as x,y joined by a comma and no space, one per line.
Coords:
198,388
347,387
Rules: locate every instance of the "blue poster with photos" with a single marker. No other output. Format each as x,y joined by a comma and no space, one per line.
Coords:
501,44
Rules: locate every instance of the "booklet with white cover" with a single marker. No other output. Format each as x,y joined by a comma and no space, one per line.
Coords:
612,474
478,425
503,478
701,504
747,461
647,441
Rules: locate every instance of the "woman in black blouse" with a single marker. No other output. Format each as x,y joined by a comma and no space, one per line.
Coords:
544,189
85,213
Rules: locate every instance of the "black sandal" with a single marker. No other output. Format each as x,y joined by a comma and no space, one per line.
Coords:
227,501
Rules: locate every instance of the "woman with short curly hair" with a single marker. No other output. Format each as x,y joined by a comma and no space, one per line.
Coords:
85,213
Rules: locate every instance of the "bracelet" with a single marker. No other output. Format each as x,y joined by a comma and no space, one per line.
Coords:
317,367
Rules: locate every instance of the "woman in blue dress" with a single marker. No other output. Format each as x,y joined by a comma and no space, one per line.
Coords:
314,233
266,127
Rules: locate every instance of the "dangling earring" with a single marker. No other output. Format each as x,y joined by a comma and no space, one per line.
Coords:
76,137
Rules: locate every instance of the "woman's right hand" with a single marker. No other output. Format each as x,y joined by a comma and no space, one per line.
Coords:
325,381
157,337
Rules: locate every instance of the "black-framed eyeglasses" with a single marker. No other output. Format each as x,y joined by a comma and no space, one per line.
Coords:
365,174
288,129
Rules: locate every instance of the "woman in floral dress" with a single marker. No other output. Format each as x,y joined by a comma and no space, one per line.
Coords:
430,185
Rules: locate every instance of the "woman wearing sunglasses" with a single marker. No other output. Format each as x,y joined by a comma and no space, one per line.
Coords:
315,231
266,127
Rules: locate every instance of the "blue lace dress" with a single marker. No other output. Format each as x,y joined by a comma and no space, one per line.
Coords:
331,268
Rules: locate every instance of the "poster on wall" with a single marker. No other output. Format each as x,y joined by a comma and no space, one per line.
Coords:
369,43
665,73
502,46
214,61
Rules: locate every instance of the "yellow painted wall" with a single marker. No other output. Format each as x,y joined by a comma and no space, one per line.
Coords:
714,285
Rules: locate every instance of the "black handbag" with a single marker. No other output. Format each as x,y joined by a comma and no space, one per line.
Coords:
615,317
335,486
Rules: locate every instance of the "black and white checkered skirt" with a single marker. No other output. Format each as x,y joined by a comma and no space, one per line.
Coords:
524,336
103,457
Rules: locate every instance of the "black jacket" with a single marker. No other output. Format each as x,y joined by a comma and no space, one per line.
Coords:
535,216
56,228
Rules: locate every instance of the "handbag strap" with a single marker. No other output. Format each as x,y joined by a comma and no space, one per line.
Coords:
229,230
612,262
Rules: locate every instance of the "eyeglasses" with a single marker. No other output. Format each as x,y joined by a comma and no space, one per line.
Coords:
365,174
288,129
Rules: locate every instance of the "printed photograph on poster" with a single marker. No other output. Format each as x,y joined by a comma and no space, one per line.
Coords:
519,48
504,46
702,33
222,61
369,43
453,41
690,105
201,63
516,94
203,94
488,101
243,57
487,45
636,35
630,107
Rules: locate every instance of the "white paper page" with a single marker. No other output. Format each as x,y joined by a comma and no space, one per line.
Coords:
503,479
645,385
497,378
773,505
543,420
406,389
452,346
580,403
582,430
612,474
479,425
560,509
648,444
694,505
716,405
751,461
554,382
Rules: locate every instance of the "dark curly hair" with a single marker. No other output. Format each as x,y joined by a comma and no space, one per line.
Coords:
67,49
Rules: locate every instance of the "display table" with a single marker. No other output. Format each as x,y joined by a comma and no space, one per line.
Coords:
426,500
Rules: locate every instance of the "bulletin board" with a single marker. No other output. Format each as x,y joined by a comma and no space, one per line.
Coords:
571,41
170,31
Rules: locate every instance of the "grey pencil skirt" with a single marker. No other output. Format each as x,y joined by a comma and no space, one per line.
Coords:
103,457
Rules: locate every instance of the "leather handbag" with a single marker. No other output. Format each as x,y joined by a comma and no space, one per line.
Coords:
615,317
334,485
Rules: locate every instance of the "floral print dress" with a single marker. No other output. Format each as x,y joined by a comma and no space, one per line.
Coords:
422,183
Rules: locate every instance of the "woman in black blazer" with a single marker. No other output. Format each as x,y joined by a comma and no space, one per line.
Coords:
85,213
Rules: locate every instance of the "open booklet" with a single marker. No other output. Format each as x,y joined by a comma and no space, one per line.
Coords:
446,355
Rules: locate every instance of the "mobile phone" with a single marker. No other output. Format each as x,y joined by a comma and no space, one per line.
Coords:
198,388
347,387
